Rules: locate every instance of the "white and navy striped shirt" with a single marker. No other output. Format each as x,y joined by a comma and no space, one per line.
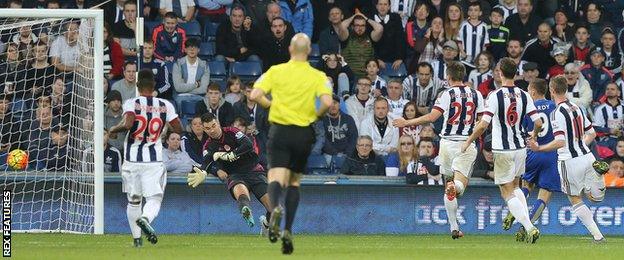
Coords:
476,77
424,97
439,69
460,106
474,38
609,116
620,84
507,11
570,124
505,109
143,142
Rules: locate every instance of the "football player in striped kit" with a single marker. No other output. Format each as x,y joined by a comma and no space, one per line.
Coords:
505,108
143,172
577,166
460,105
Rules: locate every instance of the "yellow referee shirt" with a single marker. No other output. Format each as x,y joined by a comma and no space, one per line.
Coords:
294,87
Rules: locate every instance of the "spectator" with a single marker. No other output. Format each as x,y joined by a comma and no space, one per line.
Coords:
299,14
491,84
450,52
256,10
214,103
212,11
523,25
53,4
160,70
609,117
378,83
256,116
25,39
360,106
453,18
410,112
484,164
183,9
507,7
233,43
538,50
339,71
615,176
438,7
193,141
36,4
113,56
484,5
470,47
515,48
405,9
15,4
127,86
560,54
434,40
233,90
405,162
396,102
243,126
356,43
10,137
595,23
77,4
39,76
169,39
613,56
426,151
619,149
175,159
124,30
12,65
529,74
363,161
597,75
114,11
579,91
112,156
385,136
340,131
328,38
54,157
39,135
264,31
391,46
562,28
483,72
61,101
64,51
191,75
422,87
112,116
417,30
580,45
273,50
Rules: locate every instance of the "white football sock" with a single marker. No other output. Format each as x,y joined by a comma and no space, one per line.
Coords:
519,212
586,217
134,212
152,207
459,188
451,212
520,195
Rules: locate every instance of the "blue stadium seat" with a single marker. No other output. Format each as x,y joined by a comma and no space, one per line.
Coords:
337,162
392,73
217,70
187,109
149,26
210,32
206,50
193,29
343,107
315,54
317,165
247,70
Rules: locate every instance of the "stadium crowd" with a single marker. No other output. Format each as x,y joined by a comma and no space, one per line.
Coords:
385,59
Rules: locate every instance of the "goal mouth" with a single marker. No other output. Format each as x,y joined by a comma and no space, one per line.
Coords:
52,112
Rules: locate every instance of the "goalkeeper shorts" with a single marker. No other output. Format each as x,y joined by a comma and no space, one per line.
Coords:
256,183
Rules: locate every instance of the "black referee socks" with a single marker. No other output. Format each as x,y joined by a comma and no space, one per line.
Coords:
243,200
292,202
275,192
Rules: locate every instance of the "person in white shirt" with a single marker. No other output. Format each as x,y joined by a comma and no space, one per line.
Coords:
65,51
360,105
378,126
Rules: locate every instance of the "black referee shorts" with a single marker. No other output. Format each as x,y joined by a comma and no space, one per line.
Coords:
289,146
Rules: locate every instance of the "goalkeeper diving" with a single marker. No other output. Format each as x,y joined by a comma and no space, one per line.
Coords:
229,154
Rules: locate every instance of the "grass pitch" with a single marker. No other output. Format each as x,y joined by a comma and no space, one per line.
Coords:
90,247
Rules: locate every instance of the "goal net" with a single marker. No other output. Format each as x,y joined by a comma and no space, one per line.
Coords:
49,108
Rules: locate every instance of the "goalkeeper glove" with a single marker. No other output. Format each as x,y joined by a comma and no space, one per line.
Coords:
196,177
217,155
230,157
601,167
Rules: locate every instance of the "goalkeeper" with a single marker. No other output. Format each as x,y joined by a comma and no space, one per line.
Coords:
229,155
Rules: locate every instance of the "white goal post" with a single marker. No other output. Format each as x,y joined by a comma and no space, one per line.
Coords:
70,200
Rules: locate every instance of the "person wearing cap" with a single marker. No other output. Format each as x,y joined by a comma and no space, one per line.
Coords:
538,49
613,57
530,73
596,74
560,54
450,52
112,116
340,131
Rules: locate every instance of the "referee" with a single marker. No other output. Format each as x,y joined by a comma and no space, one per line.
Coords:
294,86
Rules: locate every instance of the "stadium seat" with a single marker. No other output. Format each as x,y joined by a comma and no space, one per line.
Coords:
193,29
247,70
315,54
188,108
317,165
210,32
149,26
392,73
217,70
206,50
337,162
343,107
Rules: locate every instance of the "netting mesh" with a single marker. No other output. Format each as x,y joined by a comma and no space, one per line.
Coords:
47,89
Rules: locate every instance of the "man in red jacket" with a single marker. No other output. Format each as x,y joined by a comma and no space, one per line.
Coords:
169,39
